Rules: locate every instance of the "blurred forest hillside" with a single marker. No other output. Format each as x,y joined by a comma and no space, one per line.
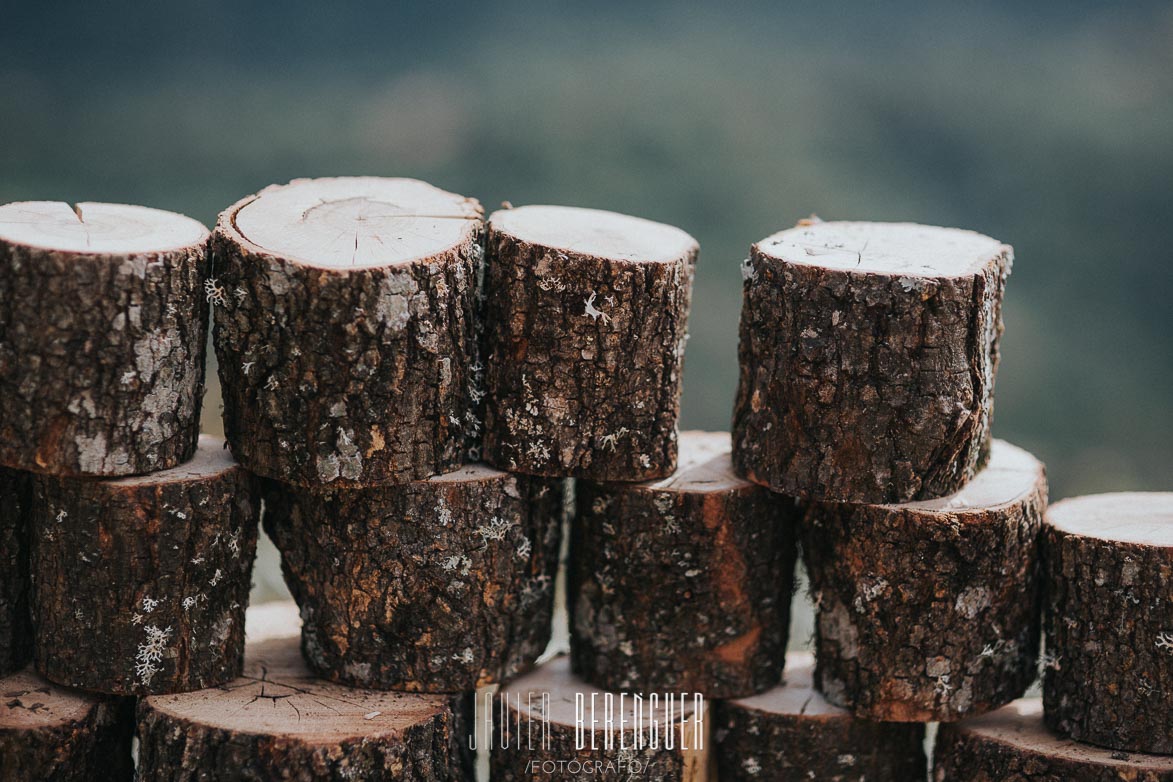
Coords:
1047,125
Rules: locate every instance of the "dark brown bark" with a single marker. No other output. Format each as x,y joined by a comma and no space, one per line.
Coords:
51,734
791,734
1013,745
1109,620
584,346
684,583
101,356
930,611
140,584
539,738
868,381
16,633
349,377
435,586
277,722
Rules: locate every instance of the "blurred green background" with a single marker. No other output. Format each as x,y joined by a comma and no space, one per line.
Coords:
1047,125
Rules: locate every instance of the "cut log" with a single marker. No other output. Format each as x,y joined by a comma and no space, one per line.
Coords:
1013,745
550,724
140,584
105,324
929,610
51,733
279,722
715,616
585,324
868,353
792,734
16,633
1109,620
441,585
344,330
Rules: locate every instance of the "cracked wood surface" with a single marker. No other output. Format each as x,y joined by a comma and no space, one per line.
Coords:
1109,620
868,353
929,610
16,641
103,327
792,734
344,329
172,553
715,617
585,323
58,735
1013,745
441,585
277,721
541,727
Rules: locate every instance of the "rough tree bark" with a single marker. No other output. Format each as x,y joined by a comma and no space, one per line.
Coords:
1013,745
537,733
16,641
102,337
277,722
586,320
441,585
50,734
791,734
929,611
868,353
1109,620
172,553
344,330
715,617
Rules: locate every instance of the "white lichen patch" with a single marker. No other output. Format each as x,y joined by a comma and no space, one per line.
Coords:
496,529
972,601
443,512
592,311
1164,642
460,562
870,588
93,455
393,306
214,292
150,653
610,441
524,547
748,272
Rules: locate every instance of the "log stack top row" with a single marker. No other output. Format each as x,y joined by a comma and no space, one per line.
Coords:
349,314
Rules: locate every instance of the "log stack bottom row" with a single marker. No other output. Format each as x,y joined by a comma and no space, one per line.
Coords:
373,335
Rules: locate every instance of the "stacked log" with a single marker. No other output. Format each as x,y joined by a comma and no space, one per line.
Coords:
585,323
553,725
792,734
140,583
1109,622
51,733
480,544
102,356
1013,744
16,642
929,610
344,330
868,353
277,721
715,618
